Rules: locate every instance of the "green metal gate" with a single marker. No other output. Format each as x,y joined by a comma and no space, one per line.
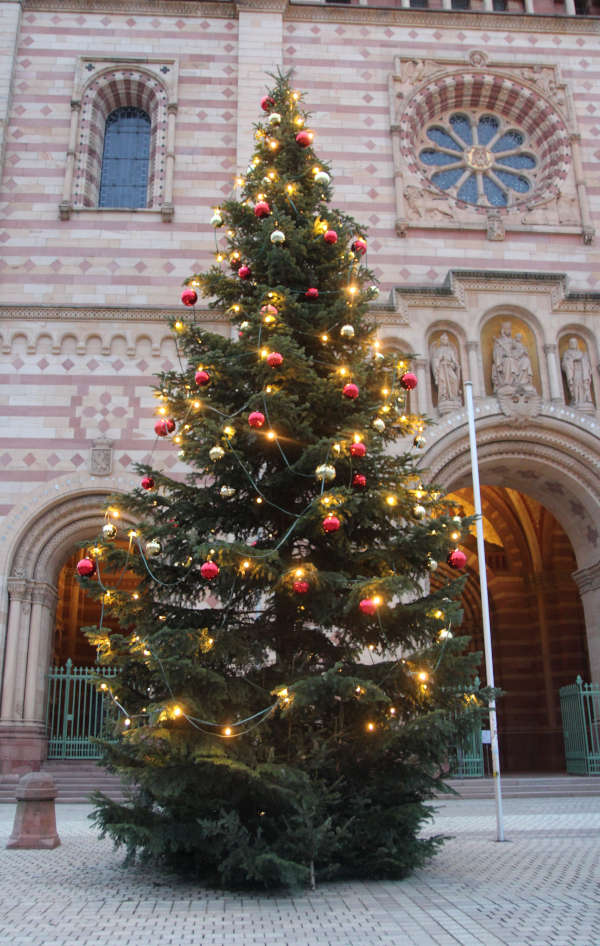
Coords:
466,757
76,710
580,709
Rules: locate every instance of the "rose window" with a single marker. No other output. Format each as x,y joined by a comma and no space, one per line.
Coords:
479,159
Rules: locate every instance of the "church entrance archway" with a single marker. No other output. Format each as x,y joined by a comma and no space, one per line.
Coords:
541,502
538,624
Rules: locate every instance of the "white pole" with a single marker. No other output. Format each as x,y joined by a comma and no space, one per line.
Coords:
485,611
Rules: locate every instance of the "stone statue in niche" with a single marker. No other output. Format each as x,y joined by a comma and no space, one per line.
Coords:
511,364
445,367
512,377
577,369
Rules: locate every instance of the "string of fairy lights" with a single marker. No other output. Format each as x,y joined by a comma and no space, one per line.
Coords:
272,316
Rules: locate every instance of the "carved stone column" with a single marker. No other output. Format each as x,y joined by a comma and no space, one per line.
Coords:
17,639
167,209
66,205
551,353
420,366
22,742
43,610
588,228
475,369
588,582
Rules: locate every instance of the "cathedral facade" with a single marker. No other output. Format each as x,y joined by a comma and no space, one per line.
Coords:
464,133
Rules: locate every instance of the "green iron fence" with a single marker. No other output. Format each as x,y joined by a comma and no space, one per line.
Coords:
466,758
76,710
580,709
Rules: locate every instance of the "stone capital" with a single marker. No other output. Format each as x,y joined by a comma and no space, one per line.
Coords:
44,594
550,349
19,589
472,346
588,579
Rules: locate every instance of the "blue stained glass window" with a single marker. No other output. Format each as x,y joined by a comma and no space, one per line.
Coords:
508,141
495,195
478,158
518,161
446,179
515,181
441,137
487,126
125,160
468,190
462,126
429,156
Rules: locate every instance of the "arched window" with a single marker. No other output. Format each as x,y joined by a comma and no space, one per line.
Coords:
122,138
125,159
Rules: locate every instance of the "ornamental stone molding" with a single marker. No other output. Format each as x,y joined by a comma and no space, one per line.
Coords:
452,293
555,463
529,103
102,313
219,8
321,12
69,507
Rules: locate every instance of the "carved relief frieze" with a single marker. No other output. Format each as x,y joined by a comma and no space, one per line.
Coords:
485,145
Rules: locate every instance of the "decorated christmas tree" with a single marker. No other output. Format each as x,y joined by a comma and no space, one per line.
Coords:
287,688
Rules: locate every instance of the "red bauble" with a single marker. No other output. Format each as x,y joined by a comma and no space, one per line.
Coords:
202,377
209,570
304,139
301,586
331,523
359,246
244,271
367,606
457,559
358,449
408,381
164,426
261,209
330,236
256,419
312,293
267,103
86,567
189,297
274,359
147,483
359,480
350,390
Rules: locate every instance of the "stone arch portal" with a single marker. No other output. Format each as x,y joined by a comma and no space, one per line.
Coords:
41,543
540,508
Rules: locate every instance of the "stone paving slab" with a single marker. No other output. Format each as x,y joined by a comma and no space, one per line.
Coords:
540,888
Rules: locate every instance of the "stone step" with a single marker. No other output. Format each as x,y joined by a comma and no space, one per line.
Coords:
75,781
523,786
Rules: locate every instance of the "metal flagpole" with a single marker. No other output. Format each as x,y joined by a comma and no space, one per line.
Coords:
485,611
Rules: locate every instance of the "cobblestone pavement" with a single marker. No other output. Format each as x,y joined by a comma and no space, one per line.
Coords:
538,889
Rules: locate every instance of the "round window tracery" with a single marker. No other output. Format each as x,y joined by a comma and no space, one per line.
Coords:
493,142
480,159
